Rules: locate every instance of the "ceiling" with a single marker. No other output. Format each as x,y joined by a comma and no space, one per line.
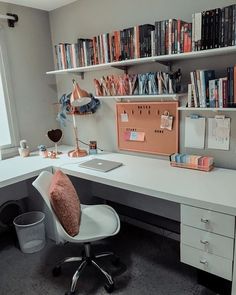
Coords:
40,4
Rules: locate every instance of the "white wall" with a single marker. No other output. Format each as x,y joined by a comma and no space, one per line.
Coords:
87,18
30,56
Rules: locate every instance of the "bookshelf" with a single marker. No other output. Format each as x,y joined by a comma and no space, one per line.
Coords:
162,59
161,97
207,109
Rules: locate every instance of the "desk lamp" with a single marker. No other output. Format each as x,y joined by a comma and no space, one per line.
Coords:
79,98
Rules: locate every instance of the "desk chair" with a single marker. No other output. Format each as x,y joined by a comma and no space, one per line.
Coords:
97,222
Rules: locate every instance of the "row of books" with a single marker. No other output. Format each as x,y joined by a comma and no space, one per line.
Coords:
206,90
209,29
214,28
165,37
137,84
172,36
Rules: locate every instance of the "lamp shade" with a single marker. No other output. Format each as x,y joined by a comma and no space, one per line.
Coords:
79,97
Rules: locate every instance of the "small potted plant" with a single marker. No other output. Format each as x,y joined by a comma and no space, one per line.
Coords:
24,149
43,151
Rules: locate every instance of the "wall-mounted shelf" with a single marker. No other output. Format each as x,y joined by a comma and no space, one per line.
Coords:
208,109
163,59
158,97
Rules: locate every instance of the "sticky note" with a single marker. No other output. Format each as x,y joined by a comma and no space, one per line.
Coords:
141,136
133,135
127,135
124,117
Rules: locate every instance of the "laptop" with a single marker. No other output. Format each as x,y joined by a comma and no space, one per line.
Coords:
100,165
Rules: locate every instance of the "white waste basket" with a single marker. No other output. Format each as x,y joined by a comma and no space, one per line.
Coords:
30,231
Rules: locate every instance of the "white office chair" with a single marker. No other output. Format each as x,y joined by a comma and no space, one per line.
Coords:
97,222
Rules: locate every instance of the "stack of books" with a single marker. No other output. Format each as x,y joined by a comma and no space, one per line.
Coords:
202,163
207,91
156,83
214,28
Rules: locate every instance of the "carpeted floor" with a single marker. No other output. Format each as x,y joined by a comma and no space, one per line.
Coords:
152,262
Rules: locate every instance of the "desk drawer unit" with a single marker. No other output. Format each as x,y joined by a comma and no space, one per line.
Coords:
207,242
210,263
207,220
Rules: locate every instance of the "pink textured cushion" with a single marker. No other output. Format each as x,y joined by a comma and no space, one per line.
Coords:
65,202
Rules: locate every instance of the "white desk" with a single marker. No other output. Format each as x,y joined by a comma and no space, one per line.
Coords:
212,191
17,169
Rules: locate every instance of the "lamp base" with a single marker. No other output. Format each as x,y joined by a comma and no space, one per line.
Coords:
77,153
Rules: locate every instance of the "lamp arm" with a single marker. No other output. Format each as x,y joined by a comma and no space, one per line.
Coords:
75,131
76,137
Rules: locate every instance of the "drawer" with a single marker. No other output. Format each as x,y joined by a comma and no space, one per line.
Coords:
207,242
210,263
211,221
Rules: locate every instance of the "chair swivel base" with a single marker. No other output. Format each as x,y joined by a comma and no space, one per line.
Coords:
87,259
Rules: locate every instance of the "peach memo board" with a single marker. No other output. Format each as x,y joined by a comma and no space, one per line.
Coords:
138,127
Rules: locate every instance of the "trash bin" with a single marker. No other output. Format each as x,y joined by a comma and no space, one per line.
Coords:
30,231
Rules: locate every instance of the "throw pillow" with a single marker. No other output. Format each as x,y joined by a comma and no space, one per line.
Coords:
65,202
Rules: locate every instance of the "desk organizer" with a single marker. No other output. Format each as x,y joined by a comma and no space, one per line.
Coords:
202,163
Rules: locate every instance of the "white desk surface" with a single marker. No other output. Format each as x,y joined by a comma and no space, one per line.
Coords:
213,190
17,169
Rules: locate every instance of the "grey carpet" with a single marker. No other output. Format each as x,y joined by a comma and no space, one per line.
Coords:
152,262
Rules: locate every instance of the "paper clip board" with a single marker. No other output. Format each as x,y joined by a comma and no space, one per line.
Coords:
138,127
195,132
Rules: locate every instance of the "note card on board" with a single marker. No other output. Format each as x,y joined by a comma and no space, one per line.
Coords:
195,132
218,133
134,136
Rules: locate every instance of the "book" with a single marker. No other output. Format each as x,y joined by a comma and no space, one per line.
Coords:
198,30
194,86
234,83
212,93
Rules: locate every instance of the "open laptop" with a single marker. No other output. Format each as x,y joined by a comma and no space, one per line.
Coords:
100,165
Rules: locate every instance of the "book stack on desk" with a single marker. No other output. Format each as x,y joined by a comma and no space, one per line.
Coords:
203,163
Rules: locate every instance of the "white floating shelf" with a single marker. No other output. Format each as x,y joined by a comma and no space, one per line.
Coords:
161,96
161,59
208,109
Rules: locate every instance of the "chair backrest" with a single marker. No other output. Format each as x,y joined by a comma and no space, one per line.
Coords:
42,184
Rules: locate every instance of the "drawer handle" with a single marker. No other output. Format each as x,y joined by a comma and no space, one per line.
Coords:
204,220
204,242
204,262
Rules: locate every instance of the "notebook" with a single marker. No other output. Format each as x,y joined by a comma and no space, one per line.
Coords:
100,165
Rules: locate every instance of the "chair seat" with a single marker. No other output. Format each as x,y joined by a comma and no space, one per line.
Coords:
97,222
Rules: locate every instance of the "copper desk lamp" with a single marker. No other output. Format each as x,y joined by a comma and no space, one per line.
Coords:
79,97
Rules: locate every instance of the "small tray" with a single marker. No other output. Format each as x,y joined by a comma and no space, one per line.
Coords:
194,167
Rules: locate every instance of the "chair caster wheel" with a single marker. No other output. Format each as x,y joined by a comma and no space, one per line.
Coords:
56,271
116,261
109,288
70,293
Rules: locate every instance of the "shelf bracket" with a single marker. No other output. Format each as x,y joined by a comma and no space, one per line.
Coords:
123,68
168,64
81,74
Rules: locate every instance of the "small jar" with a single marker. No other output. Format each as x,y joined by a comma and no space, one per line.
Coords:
92,147
43,151
24,152
43,154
